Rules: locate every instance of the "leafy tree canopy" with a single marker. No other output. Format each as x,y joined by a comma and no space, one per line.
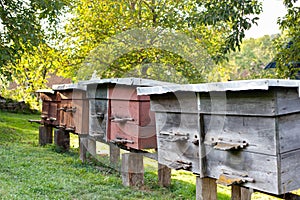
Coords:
288,45
218,26
25,25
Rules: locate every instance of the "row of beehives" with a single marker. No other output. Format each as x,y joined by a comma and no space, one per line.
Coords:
239,132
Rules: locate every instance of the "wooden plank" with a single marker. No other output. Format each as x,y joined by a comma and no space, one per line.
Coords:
98,114
138,111
251,103
175,102
288,130
79,119
83,142
114,156
246,193
92,146
289,171
62,139
258,132
138,137
132,169
288,100
206,188
164,175
182,144
125,92
45,135
97,91
259,167
240,193
236,192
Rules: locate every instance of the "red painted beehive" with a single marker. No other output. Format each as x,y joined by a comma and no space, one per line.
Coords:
119,115
50,104
73,108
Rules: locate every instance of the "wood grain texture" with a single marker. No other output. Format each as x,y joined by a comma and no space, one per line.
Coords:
181,102
45,135
258,132
206,188
98,115
251,103
132,169
114,156
263,169
290,167
174,149
164,175
288,130
62,139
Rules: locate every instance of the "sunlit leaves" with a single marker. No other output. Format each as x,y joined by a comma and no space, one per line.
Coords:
216,26
22,26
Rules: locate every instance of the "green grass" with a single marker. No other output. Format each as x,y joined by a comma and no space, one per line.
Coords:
28,171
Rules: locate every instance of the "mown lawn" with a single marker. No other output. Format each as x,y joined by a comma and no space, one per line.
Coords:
28,171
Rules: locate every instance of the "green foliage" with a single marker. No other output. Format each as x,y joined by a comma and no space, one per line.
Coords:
288,44
99,24
29,73
249,62
22,26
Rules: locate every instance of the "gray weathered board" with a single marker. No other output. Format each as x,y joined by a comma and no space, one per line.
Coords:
248,131
98,106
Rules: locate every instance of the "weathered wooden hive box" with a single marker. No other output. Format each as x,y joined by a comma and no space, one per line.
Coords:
118,115
249,131
50,103
177,127
73,108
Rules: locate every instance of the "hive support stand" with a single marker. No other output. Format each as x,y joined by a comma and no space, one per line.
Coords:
206,188
87,145
132,169
240,193
114,156
164,175
45,135
62,139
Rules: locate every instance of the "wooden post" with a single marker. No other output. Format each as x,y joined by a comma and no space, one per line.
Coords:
164,175
91,145
45,135
114,156
206,188
240,193
236,192
246,193
132,169
62,139
83,142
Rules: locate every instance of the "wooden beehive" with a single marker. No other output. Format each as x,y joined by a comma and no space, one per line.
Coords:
177,130
50,103
73,108
118,115
248,131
